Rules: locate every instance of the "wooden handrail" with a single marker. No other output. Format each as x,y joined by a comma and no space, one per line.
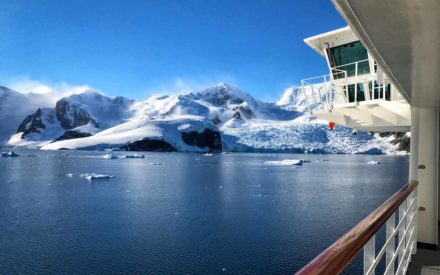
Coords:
337,256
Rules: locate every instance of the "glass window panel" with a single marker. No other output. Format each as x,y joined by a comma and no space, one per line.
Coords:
360,93
343,55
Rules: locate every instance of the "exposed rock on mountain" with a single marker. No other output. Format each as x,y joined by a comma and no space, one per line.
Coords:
71,134
208,138
71,115
14,107
32,123
401,140
151,145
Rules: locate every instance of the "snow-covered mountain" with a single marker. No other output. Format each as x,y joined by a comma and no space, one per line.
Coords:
221,117
76,116
295,100
15,106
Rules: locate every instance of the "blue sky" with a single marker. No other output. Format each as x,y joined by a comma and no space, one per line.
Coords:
136,48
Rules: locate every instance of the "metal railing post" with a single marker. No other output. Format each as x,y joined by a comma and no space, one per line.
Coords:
414,249
355,81
401,235
314,96
369,253
390,227
305,95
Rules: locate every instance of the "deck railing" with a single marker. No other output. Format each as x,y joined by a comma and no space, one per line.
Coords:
399,246
348,83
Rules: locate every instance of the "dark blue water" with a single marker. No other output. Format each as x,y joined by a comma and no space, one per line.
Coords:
220,214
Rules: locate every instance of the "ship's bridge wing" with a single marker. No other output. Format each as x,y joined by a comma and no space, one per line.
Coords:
405,43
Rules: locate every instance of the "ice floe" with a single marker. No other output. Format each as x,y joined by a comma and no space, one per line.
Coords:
9,154
285,162
109,156
94,176
372,162
69,175
134,156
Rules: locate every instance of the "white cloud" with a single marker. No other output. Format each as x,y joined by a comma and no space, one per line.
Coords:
53,89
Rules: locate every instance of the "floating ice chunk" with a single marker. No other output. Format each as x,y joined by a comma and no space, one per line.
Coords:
10,181
207,154
9,154
134,156
223,269
285,162
69,175
94,176
306,160
157,163
109,156
372,162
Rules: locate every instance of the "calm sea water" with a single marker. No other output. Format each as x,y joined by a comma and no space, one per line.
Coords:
226,213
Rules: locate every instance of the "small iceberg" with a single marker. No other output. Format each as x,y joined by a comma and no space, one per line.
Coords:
69,175
109,156
207,155
9,154
94,176
285,162
157,163
372,162
134,156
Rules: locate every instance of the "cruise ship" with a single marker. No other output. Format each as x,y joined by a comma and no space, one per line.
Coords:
384,76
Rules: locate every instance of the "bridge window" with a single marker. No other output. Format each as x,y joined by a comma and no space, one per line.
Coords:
343,57
377,91
360,93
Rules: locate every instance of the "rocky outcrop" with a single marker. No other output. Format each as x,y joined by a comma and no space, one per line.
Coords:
244,110
70,134
402,139
207,139
72,115
31,124
148,144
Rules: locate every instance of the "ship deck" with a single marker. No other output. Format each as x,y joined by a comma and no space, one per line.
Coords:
425,259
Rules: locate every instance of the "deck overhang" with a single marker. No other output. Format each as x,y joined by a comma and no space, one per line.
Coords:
404,39
375,116
332,39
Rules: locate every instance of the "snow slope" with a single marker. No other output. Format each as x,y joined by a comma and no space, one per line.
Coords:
168,129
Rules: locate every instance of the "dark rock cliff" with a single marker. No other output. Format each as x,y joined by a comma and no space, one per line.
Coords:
148,144
70,134
208,138
72,115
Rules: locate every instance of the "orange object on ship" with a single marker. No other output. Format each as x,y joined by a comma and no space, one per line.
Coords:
331,124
